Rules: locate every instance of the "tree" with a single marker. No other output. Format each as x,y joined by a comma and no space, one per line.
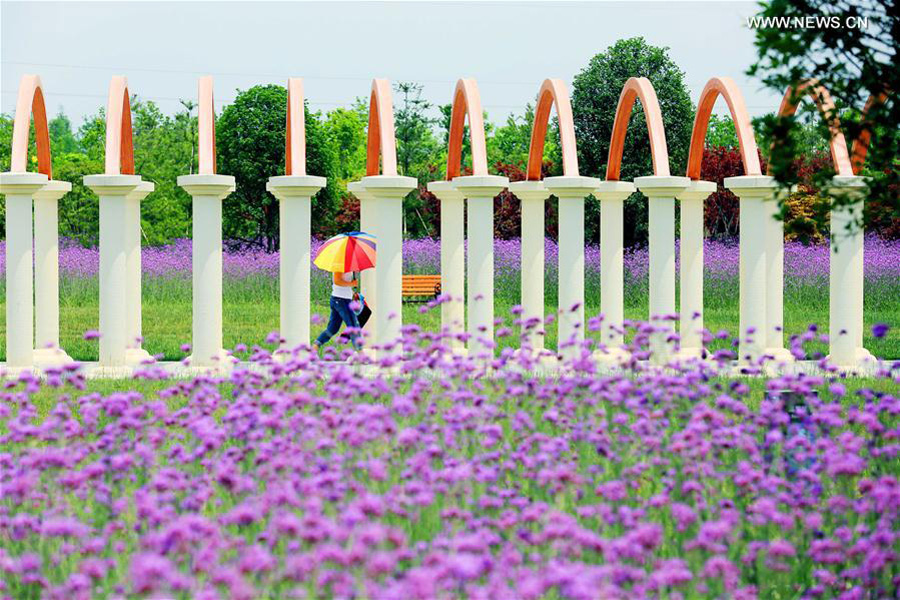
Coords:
250,141
855,61
595,97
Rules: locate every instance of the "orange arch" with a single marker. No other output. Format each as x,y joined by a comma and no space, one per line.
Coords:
30,102
861,144
206,127
746,140
839,155
381,143
553,91
638,87
295,136
466,100
119,143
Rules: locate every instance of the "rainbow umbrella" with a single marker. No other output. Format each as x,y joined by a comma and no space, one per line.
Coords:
354,251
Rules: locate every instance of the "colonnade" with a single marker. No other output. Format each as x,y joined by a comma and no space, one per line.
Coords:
467,311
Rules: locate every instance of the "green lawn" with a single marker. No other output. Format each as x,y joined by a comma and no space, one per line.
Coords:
251,313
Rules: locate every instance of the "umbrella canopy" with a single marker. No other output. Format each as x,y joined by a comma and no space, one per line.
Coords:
354,251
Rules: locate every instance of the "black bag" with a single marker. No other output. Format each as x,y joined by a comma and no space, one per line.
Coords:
364,314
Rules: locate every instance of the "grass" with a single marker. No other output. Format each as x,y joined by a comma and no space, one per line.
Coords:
251,312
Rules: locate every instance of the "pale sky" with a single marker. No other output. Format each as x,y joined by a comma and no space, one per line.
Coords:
338,47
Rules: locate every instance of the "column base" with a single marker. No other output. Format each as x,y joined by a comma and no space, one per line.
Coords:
222,363
860,357
612,357
685,354
51,357
781,355
137,356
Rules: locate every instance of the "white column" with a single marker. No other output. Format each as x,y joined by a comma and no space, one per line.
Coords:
846,276
612,195
533,196
752,191
19,188
453,261
774,342
388,192
207,193
134,353
480,190
661,192
294,194
47,351
571,192
367,277
112,190
691,288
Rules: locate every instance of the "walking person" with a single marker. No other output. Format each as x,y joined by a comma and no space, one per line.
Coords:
342,310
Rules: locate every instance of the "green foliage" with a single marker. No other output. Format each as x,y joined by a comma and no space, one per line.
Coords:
250,140
595,97
721,132
854,63
346,132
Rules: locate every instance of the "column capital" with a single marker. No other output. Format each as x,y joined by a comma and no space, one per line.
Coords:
697,190
661,186
359,190
480,186
295,186
54,190
571,187
144,189
614,190
853,186
444,190
752,186
21,183
388,186
207,185
529,190
112,185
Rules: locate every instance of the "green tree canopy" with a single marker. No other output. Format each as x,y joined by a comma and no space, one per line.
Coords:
250,142
595,97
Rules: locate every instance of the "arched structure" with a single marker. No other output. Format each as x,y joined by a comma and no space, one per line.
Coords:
638,87
295,136
30,102
466,101
553,91
119,143
206,127
725,87
381,143
861,144
839,154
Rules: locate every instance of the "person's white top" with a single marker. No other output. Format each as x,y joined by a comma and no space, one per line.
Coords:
343,291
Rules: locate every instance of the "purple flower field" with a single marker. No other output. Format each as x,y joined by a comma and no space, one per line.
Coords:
307,480
807,264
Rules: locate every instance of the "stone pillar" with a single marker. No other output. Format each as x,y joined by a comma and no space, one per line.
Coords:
480,190
113,191
47,351
752,191
387,193
612,195
19,189
774,342
294,194
846,275
533,196
661,192
691,309
367,277
207,193
571,192
134,353
453,261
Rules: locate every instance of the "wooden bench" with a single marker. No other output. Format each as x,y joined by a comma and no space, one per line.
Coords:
421,288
